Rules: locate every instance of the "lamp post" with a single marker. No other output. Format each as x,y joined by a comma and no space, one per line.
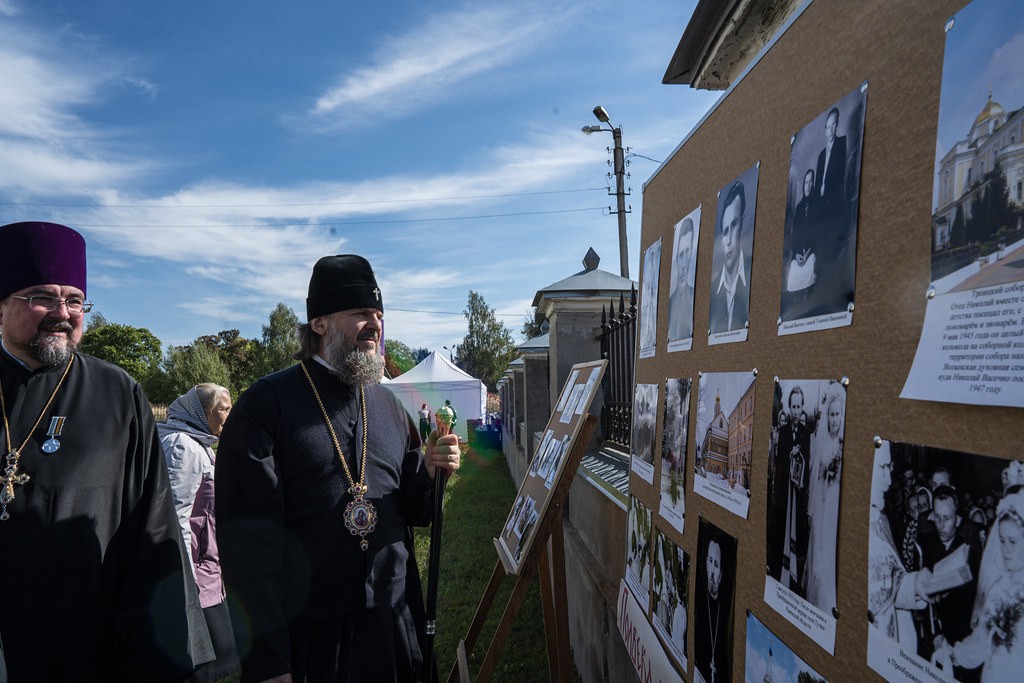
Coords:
619,165
451,352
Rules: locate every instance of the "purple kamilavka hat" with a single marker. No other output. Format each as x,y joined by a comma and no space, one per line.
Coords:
36,253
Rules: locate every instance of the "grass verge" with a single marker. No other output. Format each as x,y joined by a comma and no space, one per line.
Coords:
477,503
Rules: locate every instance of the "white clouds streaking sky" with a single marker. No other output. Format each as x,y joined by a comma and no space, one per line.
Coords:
211,157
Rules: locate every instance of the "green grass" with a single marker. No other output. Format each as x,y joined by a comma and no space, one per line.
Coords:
477,503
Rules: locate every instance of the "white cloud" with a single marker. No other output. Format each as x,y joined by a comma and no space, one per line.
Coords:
9,8
428,65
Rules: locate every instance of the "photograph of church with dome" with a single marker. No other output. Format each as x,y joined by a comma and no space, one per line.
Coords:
972,339
978,193
725,429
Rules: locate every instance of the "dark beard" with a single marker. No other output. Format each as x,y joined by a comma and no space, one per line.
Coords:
349,364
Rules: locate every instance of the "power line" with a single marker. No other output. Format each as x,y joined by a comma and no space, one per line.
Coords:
337,223
260,206
413,310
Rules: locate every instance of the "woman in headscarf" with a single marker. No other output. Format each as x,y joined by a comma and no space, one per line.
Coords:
996,642
194,423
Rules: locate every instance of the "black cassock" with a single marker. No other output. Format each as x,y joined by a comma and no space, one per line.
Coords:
92,566
305,598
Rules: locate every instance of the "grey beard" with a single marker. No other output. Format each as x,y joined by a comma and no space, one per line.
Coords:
351,365
52,350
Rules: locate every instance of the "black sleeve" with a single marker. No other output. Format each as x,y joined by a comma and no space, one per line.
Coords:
251,533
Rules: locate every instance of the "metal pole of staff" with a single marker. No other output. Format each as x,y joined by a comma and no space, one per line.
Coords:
443,418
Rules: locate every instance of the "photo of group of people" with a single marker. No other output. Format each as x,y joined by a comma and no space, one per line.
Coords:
805,470
725,432
681,282
645,419
673,452
671,591
713,604
946,564
521,522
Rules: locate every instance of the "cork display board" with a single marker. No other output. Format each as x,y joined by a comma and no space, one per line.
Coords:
879,64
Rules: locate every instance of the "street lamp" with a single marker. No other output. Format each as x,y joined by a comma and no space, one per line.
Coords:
451,354
620,182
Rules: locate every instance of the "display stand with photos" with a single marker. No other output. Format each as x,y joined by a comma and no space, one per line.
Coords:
531,540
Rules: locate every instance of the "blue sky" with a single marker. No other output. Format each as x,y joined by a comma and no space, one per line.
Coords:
210,152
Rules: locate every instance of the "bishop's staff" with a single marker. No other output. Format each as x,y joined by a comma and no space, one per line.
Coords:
444,417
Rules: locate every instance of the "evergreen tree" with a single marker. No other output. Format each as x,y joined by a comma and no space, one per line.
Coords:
488,348
279,343
188,366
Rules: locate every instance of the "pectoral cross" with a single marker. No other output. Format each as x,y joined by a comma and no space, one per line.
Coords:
8,480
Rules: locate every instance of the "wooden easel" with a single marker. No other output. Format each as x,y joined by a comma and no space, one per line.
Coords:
547,554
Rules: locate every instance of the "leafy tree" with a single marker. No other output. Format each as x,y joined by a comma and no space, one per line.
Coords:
533,322
96,321
135,349
400,357
186,367
488,348
279,343
237,353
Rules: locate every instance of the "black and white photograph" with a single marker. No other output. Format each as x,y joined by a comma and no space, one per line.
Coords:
731,261
649,300
805,470
671,591
588,391
538,456
713,604
638,552
558,454
819,250
645,419
685,238
945,565
570,384
724,438
977,225
769,659
674,432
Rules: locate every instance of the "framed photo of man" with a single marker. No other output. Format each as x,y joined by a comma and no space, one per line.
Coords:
819,249
729,317
685,238
649,300
713,604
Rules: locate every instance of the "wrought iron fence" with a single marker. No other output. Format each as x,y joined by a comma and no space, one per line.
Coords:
618,346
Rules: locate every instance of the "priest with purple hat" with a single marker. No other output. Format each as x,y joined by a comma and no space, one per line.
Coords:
94,584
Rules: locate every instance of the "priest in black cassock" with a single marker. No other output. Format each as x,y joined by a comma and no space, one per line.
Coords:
94,584
319,477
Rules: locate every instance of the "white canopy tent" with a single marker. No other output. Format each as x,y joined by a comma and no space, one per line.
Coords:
433,381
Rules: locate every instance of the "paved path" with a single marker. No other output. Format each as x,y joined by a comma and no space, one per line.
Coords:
1010,268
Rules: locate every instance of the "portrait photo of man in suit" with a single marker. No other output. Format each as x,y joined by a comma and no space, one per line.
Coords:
730,274
680,296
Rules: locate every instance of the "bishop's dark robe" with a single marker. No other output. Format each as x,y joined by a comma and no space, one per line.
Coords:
94,580
305,598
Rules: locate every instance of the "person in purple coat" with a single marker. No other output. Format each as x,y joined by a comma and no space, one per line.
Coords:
194,423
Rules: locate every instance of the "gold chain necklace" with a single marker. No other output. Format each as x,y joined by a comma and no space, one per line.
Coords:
11,476
360,515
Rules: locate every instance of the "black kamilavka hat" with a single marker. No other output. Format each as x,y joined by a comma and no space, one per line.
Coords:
340,283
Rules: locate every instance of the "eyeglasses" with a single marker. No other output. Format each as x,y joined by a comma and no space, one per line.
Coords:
49,303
